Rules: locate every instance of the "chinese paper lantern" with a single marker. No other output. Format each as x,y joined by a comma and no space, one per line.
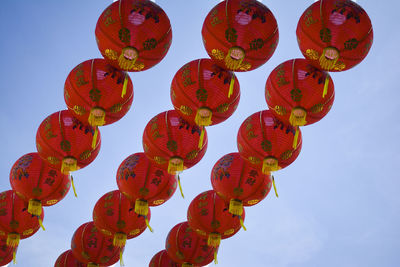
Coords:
335,35
65,142
161,259
38,183
299,94
6,253
209,216
172,142
67,259
239,183
240,35
186,247
145,183
15,221
114,216
91,247
204,93
267,142
133,35
97,93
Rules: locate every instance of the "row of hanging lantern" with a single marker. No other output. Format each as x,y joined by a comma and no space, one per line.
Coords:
333,35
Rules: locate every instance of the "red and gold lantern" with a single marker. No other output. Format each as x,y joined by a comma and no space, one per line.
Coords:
172,142
67,259
209,217
98,94
91,247
15,221
161,259
133,35
240,35
187,248
335,35
239,183
299,94
267,142
66,143
115,217
144,182
38,183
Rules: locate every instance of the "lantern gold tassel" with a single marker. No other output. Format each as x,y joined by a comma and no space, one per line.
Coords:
214,239
69,164
298,117
234,58
13,240
270,164
97,117
273,182
73,185
14,257
215,256
175,165
124,86
203,117
231,85
201,138
296,138
121,259
328,58
148,224
94,140
41,224
236,207
35,207
326,85
119,240
141,207
242,223
180,186
126,63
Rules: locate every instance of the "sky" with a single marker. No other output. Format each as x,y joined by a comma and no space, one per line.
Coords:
338,202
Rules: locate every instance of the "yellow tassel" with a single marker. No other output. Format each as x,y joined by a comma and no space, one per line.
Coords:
296,137
125,63
270,164
94,140
236,207
119,240
121,259
232,63
41,224
203,117
35,207
14,257
215,256
328,63
231,85
326,86
148,224
214,239
73,185
242,223
125,85
141,207
69,164
175,165
97,117
180,186
201,138
273,182
13,240
298,116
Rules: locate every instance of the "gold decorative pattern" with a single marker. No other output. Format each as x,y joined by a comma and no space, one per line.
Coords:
51,202
160,160
229,231
158,202
138,66
134,232
312,54
192,155
79,110
339,66
111,54
245,66
106,232
253,202
317,108
85,155
186,110
280,110
223,108
200,232
286,155
254,160
27,232
218,54
116,108
53,160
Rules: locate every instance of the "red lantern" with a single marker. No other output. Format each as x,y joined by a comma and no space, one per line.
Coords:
114,216
6,253
97,93
133,35
65,142
172,142
240,35
186,247
144,182
208,215
161,259
335,35
239,183
265,141
15,221
37,183
203,93
91,247
67,259
299,94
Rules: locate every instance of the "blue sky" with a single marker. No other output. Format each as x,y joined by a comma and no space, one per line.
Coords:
339,203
